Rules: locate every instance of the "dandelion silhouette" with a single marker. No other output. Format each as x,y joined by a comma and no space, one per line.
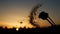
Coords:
43,15
33,14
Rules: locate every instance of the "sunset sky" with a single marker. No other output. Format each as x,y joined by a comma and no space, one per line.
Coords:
14,11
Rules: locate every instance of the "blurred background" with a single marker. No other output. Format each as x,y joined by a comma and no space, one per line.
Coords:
12,12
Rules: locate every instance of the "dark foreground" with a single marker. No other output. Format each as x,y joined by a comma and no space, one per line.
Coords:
52,29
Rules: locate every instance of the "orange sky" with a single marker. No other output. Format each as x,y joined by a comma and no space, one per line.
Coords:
13,12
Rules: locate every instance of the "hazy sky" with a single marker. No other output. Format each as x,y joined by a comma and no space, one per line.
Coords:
14,11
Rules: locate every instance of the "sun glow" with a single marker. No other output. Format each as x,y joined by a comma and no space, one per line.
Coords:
17,29
15,24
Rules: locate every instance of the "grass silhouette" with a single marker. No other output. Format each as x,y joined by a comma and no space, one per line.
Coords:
55,28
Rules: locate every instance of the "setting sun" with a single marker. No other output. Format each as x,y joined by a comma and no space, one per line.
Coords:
17,29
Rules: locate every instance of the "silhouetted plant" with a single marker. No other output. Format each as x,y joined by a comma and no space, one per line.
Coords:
43,15
33,14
